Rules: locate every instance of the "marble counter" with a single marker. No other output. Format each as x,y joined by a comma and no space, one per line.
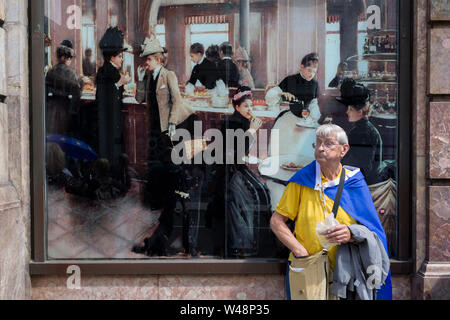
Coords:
258,111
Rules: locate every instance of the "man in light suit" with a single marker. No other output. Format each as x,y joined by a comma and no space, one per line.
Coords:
158,87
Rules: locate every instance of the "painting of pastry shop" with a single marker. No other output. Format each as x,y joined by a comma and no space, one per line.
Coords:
131,83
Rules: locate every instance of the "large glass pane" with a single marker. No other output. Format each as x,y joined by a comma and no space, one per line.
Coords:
139,104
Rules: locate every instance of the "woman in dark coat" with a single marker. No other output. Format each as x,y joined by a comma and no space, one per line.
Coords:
364,139
109,95
63,92
240,198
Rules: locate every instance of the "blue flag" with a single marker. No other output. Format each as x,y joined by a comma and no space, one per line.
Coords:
356,200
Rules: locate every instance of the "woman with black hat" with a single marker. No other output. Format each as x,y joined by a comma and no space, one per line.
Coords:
364,139
63,91
110,87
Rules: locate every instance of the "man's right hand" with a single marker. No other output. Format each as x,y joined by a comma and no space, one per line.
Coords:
300,252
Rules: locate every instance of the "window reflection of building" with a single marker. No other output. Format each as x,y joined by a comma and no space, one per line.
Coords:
275,49
88,38
207,33
160,31
333,43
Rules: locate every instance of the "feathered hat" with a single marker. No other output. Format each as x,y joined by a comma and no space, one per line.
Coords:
65,49
151,46
112,41
353,94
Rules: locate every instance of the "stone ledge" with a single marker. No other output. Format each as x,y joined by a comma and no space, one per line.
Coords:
432,281
435,270
8,198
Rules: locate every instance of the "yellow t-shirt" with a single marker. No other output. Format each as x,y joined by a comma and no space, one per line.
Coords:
303,206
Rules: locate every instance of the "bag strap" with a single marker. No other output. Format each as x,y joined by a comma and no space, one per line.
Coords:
339,193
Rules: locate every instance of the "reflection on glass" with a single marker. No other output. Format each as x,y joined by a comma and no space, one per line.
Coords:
106,193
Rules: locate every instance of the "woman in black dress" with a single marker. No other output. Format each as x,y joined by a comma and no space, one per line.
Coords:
109,95
240,199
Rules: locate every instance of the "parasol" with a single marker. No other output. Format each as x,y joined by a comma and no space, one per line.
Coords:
73,147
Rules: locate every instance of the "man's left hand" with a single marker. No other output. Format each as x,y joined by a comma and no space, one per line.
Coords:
339,234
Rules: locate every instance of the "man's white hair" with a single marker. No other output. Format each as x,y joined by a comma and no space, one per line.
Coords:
330,129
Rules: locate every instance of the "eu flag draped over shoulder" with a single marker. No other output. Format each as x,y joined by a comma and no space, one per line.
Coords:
356,200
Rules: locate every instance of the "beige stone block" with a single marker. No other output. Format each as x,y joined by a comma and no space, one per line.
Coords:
16,11
440,66
118,287
2,63
14,252
439,140
17,57
8,199
440,10
222,287
401,287
2,10
438,226
19,148
3,144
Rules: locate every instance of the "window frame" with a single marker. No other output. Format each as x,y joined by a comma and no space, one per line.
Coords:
39,264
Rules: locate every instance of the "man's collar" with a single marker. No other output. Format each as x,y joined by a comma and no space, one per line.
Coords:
301,75
351,172
114,65
201,60
156,72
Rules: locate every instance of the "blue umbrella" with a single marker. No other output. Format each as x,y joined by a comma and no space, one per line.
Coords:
73,147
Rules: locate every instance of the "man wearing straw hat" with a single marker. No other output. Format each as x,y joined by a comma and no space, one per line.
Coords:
158,88
243,62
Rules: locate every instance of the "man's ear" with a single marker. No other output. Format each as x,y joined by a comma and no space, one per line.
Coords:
345,149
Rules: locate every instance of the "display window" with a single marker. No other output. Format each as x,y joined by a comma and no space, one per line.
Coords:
169,129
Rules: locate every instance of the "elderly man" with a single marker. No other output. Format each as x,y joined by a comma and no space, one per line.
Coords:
308,199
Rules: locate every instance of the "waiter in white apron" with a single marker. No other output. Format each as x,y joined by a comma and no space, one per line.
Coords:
296,126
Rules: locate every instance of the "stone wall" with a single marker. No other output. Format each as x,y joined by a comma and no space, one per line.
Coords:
432,150
14,158
214,287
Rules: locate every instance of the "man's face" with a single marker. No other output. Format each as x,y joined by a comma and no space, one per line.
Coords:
118,60
353,114
151,63
196,57
328,149
309,72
